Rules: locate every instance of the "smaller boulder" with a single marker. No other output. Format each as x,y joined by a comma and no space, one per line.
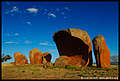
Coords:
46,57
12,63
35,56
20,58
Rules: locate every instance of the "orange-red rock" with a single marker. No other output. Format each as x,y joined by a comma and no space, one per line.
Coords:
47,56
20,58
75,45
62,61
101,52
12,63
35,56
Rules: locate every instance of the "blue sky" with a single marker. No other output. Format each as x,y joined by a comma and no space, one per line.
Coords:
28,25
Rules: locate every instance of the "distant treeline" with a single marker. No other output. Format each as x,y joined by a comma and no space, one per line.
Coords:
113,60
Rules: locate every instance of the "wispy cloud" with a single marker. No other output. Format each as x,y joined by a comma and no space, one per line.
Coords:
16,34
43,43
28,22
62,13
32,10
47,44
14,9
51,45
11,42
50,50
7,3
8,34
67,8
52,15
57,9
27,42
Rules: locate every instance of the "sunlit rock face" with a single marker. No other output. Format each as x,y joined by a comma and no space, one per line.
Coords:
75,44
20,58
101,52
35,56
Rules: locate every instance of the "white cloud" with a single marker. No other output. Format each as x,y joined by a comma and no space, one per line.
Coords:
62,13
45,9
28,22
32,10
66,8
57,9
51,45
50,50
10,42
52,15
43,43
8,34
7,3
27,42
64,17
7,12
14,9
16,34
47,43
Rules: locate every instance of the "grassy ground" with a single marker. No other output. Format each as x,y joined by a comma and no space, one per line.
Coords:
10,71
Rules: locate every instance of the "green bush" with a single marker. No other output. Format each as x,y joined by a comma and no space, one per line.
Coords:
107,69
23,71
72,67
80,75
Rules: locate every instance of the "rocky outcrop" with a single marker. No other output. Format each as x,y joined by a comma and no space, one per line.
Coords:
75,45
101,52
20,58
35,56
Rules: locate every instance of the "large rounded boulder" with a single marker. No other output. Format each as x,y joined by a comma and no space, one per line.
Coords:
75,44
20,58
35,56
101,52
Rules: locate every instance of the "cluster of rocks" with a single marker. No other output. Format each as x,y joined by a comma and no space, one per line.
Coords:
74,47
35,56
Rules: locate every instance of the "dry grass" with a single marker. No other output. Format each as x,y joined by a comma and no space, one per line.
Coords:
10,71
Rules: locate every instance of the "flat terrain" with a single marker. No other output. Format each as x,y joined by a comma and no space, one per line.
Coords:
11,71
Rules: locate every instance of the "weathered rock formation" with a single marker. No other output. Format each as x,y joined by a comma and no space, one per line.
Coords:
35,56
101,52
47,56
20,58
75,45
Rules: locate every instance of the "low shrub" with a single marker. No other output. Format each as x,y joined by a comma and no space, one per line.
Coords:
72,67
